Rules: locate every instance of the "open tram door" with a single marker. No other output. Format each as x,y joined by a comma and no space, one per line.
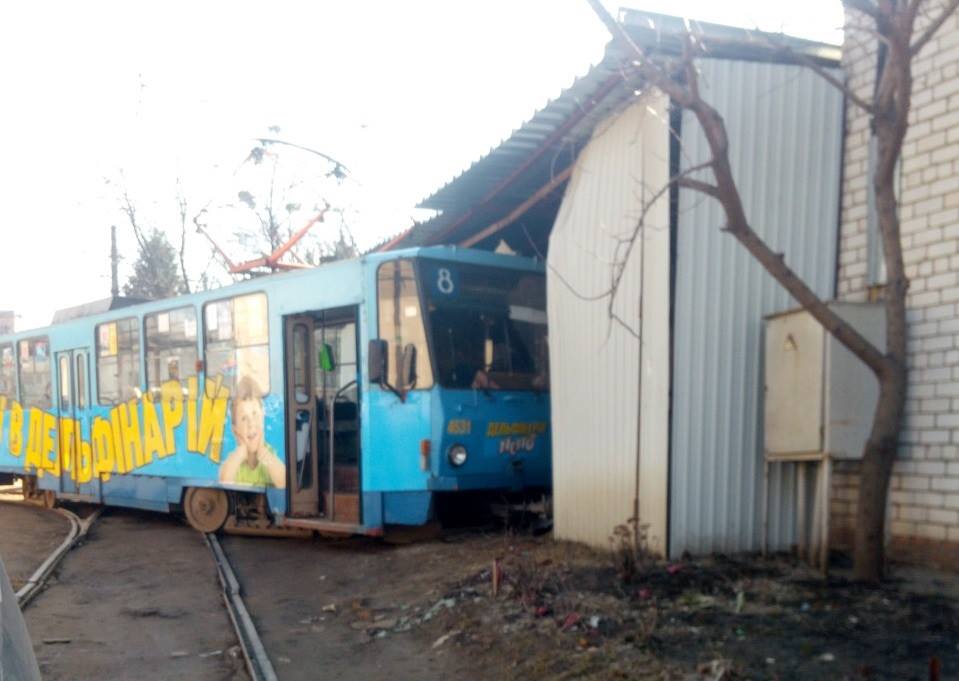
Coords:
73,403
323,417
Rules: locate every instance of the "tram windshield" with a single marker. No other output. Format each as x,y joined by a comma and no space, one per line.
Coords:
487,326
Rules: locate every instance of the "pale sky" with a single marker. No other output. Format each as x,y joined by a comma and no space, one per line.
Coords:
99,96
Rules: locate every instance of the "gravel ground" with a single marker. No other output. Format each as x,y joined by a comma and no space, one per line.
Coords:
27,535
139,599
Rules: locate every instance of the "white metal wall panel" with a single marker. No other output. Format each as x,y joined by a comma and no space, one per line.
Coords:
595,362
785,127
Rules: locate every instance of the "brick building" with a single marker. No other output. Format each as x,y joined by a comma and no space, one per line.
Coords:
923,521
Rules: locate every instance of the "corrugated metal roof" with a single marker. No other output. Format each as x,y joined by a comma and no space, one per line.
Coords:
549,142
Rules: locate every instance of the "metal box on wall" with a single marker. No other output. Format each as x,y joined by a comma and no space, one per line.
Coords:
820,398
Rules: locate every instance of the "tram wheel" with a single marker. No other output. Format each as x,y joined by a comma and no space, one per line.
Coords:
206,509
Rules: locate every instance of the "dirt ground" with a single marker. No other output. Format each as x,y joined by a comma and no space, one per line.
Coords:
139,599
364,610
27,535
345,609
564,612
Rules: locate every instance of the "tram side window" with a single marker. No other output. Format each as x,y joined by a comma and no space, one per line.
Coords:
401,319
118,361
35,376
8,372
171,351
236,341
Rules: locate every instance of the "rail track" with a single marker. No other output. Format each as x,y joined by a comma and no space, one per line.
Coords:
257,661
79,527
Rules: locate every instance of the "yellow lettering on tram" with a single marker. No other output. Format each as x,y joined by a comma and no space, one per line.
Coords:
122,465
212,422
67,444
131,440
48,448
103,448
171,405
191,430
84,467
152,435
33,458
15,438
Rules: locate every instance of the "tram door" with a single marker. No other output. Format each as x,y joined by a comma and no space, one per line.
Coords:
73,404
323,419
301,417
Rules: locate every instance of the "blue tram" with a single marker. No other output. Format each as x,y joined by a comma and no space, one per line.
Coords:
341,399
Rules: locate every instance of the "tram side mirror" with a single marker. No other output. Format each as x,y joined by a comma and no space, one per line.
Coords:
377,361
408,367
488,353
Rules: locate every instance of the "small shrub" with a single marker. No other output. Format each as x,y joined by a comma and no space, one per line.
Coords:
630,549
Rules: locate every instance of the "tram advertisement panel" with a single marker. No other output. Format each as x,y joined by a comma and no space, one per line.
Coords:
219,432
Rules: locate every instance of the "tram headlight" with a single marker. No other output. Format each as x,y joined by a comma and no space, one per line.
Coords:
457,455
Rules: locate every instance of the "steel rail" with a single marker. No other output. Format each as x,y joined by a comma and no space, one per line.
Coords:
78,530
257,661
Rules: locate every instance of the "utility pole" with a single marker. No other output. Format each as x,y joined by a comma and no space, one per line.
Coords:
114,264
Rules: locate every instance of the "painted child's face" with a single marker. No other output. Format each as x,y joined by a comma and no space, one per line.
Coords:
248,425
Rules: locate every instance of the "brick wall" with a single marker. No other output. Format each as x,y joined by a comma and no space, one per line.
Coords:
924,493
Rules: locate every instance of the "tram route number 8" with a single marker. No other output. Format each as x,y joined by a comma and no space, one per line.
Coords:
444,281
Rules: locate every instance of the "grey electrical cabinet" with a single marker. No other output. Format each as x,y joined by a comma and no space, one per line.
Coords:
820,398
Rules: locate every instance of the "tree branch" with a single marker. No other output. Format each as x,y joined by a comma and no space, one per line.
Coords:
936,24
727,193
702,187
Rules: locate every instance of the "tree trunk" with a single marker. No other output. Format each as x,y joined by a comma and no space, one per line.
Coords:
876,469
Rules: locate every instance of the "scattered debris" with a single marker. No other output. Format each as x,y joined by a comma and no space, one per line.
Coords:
740,601
447,603
717,670
175,653
445,637
572,619
212,653
563,611
56,641
331,607
381,624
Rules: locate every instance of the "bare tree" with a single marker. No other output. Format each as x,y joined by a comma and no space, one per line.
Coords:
181,203
155,269
283,193
893,23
